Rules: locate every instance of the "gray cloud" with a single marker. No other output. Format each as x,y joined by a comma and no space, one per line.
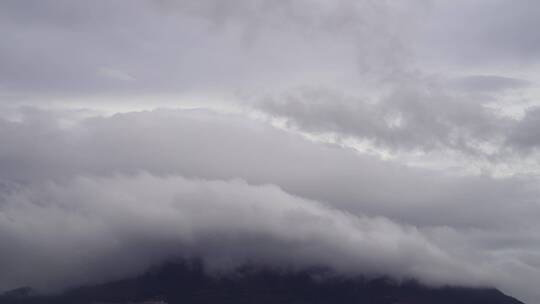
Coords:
426,78
425,117
199,144
490,32
59,48
174,46
95,229
525,134
438,116
490,83
87,174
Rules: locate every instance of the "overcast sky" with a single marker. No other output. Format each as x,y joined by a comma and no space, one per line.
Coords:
373,137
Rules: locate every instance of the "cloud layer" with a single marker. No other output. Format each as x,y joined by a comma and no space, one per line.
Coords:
97,229
92,201
370,136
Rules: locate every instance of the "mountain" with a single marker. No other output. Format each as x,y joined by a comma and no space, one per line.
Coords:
187,283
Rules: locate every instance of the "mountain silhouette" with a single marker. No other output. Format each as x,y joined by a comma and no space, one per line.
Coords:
188,283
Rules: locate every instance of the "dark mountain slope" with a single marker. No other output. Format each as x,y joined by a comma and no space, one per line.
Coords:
187,283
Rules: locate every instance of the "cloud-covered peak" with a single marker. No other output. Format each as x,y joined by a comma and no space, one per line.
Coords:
396,138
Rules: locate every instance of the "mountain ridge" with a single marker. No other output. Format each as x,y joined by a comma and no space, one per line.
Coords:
188,283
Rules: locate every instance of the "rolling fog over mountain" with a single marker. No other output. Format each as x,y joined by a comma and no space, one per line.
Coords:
373,139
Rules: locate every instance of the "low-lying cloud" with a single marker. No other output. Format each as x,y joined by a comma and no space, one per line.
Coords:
104,197
398,138
93,229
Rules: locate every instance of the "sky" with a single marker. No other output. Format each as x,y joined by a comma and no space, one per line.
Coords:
395,138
